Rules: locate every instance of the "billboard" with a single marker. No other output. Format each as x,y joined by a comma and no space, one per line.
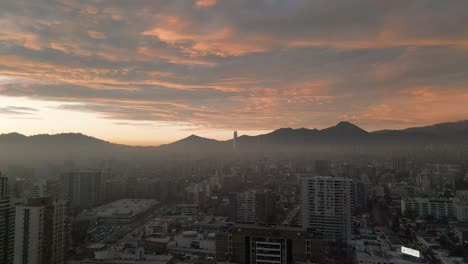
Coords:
410,251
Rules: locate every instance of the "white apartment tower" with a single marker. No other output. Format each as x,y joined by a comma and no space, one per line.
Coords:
328,206
40,234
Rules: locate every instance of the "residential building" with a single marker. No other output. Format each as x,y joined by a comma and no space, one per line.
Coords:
328,206
7,223
82,189
40,232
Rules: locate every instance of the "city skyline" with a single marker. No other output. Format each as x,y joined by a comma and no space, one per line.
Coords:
153,72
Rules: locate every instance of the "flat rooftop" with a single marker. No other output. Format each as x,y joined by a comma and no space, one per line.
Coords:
124,208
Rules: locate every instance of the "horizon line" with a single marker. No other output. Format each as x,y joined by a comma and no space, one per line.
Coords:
221,140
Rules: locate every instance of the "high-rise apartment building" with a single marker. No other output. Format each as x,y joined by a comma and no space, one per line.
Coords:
242,207
7,223
328,206
48,188
40,232
82,189
265,207
253,207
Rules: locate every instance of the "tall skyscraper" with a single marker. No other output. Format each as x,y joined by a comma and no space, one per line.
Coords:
82,189
328,206
234,141
7,223
40,234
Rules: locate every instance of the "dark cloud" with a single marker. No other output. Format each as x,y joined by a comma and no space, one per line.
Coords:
17,110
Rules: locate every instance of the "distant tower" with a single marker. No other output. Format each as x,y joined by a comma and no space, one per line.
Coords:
234,141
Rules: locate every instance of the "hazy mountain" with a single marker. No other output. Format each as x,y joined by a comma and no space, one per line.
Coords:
71,146
193,143
344,130
451,130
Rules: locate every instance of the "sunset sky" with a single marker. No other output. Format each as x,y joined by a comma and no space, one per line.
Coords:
146,72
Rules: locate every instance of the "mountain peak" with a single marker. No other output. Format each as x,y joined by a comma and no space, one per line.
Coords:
345,127
344,123
194,139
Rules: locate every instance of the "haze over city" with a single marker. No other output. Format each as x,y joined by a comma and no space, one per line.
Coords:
152,72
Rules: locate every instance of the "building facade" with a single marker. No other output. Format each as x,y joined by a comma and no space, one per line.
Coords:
242,207
425,207
328,206
254,244
82,189
40,232
7,223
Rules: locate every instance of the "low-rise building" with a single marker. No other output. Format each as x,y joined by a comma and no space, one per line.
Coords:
190,210
244,243
426,207
124,210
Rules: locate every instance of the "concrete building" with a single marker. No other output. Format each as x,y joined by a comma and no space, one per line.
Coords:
156,229
461,211
252,207
18,188
322,167
137,257
82,189
426,207
253,244
40,232
7,223
48,188
399,163
190,210
121,211
328,206
265,207
198,193
242,207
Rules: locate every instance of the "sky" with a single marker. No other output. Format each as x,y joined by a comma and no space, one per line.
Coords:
148,72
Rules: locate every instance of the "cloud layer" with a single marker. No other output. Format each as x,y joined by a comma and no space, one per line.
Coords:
244,64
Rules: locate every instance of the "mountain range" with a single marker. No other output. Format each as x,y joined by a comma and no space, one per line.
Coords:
342,135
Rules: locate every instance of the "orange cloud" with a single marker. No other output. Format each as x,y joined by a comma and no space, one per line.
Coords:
418,106
150,52
205,3
96,34
222,41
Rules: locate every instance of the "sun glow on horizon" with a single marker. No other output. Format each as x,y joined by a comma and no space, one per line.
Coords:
32,117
